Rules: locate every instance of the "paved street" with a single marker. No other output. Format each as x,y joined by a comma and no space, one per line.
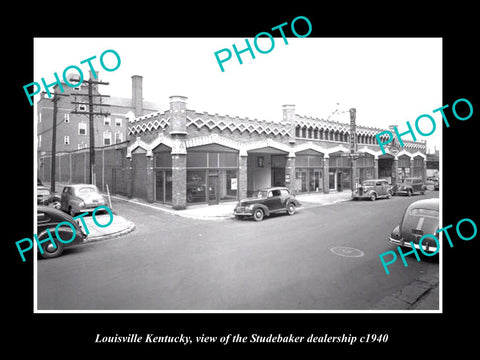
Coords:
282,263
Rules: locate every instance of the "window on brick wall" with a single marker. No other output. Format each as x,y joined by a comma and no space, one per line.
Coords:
82,129
107,138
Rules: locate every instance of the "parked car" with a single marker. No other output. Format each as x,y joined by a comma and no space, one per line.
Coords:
81,198
47,198
49,218
373,189
420,218
410,186
266,202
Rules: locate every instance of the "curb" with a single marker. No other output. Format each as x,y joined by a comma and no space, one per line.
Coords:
422,294
131,227
221,217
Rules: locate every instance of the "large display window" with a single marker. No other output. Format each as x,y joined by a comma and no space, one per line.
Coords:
309,173
212,176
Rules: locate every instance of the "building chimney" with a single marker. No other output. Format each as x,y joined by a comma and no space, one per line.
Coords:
137,97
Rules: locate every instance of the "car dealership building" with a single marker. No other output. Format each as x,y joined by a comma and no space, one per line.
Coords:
182,157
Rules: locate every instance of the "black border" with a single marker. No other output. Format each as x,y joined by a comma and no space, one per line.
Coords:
413,334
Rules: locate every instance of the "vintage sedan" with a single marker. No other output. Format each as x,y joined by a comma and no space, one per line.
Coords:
81,198
410,186
266,202
373,189
47,198
420,218
49,218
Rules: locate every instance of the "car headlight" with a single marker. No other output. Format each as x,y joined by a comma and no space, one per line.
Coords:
81,204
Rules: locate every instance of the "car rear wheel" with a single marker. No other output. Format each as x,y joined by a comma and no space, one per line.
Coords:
291,209
373,196
389,195
258,215
409,192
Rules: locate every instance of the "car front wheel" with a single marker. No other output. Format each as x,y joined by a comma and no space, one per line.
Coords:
258,215
291,209
373,196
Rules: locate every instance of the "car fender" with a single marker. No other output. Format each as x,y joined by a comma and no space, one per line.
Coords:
263,207
294,201
65,233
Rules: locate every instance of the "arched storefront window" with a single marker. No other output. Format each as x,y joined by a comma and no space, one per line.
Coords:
212,174
309,171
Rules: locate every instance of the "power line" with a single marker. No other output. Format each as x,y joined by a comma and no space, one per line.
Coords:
91,113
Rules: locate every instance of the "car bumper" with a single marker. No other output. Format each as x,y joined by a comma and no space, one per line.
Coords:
90,207
363,196
426,247
243,213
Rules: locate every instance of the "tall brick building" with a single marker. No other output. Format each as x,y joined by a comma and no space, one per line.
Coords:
73,130
181,157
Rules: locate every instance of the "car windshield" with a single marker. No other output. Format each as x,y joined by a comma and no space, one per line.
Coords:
261,194
424,212
369,183
407,181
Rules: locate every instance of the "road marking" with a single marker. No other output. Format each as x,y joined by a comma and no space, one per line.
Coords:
346,251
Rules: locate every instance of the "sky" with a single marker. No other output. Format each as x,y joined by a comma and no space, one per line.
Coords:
388,80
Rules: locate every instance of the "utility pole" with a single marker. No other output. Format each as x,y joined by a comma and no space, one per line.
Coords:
56,97
353,148
91,114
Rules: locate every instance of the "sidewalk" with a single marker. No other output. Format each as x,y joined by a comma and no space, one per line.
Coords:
422,294
119,226
224,211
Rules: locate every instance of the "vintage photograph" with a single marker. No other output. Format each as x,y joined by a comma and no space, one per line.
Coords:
299,179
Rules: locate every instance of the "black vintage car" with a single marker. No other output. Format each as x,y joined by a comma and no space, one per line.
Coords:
49,218
47,198
410,186
420,218
266,202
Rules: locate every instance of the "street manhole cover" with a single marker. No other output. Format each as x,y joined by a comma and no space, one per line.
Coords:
346,251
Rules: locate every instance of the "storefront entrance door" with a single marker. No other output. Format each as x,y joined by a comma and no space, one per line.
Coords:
332,184
213,188
163,186
339,181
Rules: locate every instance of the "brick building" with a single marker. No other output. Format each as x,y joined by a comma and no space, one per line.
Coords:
181,157
73,129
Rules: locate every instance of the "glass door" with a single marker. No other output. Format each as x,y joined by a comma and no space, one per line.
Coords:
163,186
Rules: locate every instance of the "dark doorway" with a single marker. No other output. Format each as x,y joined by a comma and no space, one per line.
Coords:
213,188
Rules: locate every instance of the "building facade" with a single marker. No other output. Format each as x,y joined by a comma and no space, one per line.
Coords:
73,129
182,157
